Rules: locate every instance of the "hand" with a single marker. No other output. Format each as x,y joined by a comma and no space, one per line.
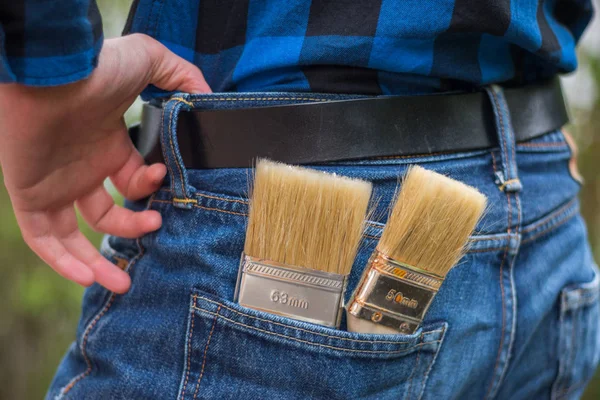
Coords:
59,144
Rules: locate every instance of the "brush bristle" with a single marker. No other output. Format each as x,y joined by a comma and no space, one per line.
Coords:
431,221
306,218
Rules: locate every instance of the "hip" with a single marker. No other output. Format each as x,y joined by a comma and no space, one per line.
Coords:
526,290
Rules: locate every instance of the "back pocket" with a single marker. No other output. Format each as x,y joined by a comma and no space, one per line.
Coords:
579,338
238,353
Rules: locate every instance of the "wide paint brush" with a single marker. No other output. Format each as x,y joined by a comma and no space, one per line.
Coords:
425,236
304,229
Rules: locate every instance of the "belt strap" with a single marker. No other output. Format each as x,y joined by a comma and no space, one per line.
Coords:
351,129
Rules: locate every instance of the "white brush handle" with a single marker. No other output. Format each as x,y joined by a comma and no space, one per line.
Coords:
360,325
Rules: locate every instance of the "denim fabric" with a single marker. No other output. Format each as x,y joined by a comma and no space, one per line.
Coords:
517,318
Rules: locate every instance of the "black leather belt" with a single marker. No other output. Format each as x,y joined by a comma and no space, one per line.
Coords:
351,129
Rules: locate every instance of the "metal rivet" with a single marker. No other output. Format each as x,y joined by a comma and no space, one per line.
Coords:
376,317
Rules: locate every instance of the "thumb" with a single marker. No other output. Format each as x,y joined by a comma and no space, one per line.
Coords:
170,72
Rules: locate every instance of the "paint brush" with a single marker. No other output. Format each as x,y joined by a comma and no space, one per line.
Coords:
304,230
425,236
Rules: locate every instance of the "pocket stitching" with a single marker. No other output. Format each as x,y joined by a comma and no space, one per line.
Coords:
549,219
202,207
433,359
317,344
212,330
560,389
301,329
88,331
413,371
189,354
553,225
589,296
572,346
141,251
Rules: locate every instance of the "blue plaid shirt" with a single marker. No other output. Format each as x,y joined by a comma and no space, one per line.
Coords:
340,46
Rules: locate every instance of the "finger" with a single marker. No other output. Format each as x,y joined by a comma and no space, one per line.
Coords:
102,214
35,227
135,180
106,273
63,224
173,73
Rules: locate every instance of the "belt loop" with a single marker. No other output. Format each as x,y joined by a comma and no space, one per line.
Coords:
170,148
507,178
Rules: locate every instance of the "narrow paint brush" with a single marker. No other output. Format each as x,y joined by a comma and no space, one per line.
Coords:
304,229
425,236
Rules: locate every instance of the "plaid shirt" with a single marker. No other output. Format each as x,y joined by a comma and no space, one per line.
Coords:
342,46
46,42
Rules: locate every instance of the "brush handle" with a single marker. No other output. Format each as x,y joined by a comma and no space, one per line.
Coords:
360,325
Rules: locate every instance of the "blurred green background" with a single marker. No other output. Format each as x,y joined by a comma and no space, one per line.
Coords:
39,309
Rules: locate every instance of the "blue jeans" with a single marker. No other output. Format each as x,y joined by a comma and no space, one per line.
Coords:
517,318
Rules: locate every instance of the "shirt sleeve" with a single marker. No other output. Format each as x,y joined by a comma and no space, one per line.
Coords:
48,42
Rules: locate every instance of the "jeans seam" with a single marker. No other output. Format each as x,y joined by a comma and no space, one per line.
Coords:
416,366
550,217
501,344
190,336
88,362
509,176
554,226
212,330
205,208
301,329
100,314
314,343
261,99
509,229
486,250
365,235
431,363
513,297
573,339
244,202
556,386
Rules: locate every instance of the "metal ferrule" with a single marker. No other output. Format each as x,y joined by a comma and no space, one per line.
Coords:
294,292
393,294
